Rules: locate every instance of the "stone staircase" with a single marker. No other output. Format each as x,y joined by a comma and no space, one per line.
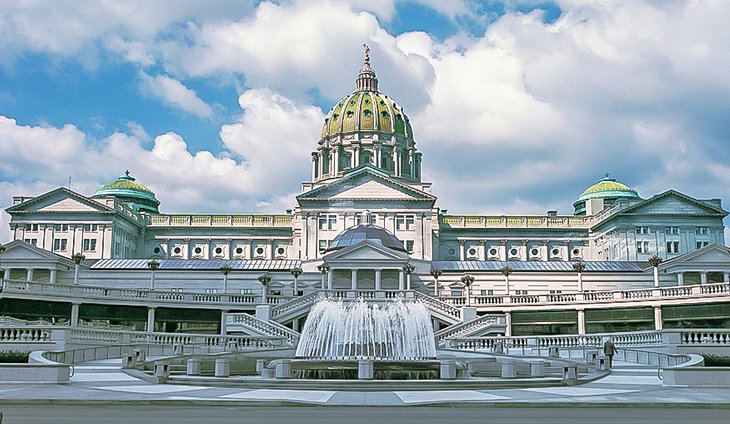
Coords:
479,326
249,324
440,310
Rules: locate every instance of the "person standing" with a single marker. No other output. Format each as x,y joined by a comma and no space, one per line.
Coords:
609,349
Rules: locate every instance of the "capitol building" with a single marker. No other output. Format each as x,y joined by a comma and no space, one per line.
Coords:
366,222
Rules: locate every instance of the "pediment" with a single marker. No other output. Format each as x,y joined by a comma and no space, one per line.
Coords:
366,185
18,251
713,254
366,251
59,200
674,203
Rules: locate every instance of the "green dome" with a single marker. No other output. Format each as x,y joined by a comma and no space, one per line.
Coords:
606,188
128,190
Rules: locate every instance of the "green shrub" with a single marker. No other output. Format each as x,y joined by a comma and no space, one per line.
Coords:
14,356
716,360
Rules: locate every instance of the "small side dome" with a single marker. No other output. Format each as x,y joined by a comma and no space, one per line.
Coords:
128,190
362,232
607,189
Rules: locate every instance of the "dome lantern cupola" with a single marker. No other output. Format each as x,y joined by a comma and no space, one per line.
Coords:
128,190
366,127
602,195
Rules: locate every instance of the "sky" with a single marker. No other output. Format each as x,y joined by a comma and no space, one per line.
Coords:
516,105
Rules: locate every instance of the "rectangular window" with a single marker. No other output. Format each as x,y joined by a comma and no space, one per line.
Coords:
702,230
60,227
409,246
31,227
405,222
555,291
87,227
323,244
672,247
487,292
642,247
211,291
673,230
90,245
521,292
59,244
32,241
642,230
701,244
246,291
327,221
456,293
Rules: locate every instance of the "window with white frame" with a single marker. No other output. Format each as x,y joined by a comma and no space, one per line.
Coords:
327,221
673,247
323,244
642,247
701,244
409,246
33,241
643,230
90,245
60,244
405,222
31,227
703,231
673,231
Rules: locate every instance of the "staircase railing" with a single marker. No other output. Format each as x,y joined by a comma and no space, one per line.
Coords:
470,327
262,327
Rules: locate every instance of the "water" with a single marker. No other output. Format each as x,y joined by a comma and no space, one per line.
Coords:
356,329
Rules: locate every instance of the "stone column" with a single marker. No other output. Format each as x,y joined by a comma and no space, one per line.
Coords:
75,314
29,275
408,281
658,321
703,278
656,276
726,277
336,160
508,324
680,278
324,283
462,249
53,276
330,277
581,321
224,315
314,167
401,279
151,319
354,280
378,279
6,274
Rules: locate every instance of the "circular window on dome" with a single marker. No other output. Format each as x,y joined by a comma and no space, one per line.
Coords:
472,251
219,250
555,252
198,251
239,250
156,250
513,252
492,251
259,250
534,252
280,251
177,250
576,252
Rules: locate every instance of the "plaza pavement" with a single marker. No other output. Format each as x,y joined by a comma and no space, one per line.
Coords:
103,382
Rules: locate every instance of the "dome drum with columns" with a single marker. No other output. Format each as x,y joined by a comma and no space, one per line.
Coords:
366,127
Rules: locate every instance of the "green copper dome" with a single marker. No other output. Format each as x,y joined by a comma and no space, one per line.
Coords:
128,190
606,188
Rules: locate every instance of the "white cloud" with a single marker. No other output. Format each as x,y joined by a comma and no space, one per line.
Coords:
174,93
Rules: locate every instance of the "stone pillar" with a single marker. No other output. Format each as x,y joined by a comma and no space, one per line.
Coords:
448,369
468,313
658,321
75,314
152,279
726,277
222,367
224,315
295,325
703,278
330,277
193,366
29,275
462,248
353,282
6,274
656,276
581,321
508,324
378,279
401,279
76,274
580,281
365,369
408,281
680,278
53,276
314,167
150,319
282,369
263,312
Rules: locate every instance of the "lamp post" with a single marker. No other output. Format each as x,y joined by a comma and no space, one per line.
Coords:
324,269
295,272
468,280
654,261
408,269
153,265
77,258
435,273
506,271
225,269
579,267
264,279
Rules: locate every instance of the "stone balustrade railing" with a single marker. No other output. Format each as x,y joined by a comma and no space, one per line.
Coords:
568,341
436,305
24,334
512,221
470,327
220,220
719,337
300,303
270,328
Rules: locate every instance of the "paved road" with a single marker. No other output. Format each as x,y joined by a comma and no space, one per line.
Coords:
27,414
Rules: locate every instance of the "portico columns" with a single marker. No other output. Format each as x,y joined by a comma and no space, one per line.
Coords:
354,280
680,278
726,277
401,279
6,274
53,276
408,281
151,319
224,315
378,279
658,322
703,278
461,249
508,324
329,279
75,314
581,321
29,275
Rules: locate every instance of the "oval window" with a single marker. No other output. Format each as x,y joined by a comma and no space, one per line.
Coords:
239,250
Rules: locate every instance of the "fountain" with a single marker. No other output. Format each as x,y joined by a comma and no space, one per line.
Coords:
356,330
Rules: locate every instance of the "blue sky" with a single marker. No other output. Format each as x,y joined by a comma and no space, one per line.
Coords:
517,106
